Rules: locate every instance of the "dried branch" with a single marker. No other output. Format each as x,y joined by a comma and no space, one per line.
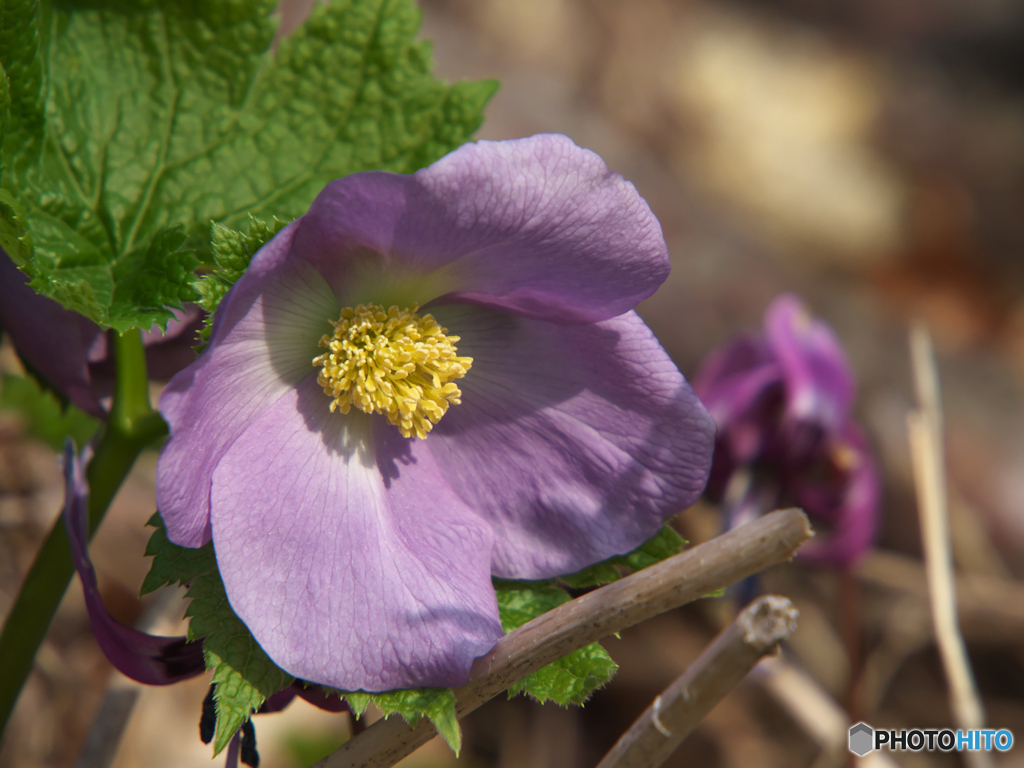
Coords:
659,731
926,452
815,711
587,619
111,720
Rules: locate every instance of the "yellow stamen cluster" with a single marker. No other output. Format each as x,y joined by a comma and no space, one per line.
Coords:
393,362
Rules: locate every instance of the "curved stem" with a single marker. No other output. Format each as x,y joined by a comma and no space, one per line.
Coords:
133,424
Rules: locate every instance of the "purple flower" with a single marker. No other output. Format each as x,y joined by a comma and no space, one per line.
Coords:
154,659
73,353
146,658
483,304
782,401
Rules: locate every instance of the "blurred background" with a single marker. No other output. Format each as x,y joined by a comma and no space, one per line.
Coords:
868,155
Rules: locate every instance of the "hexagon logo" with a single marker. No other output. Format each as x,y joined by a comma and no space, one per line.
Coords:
862,738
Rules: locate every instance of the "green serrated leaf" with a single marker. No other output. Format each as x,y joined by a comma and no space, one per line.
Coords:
171,113
43,415
235,699
147,280
19,53
665,543
435,704
14,235
232,252
5,104
521,601
244,674
571,679
233,249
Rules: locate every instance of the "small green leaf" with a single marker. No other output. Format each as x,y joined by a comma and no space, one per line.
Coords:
43,415
664,544
435,704
173,564
573,678
521,601
570,679
232,252
233,249
244,674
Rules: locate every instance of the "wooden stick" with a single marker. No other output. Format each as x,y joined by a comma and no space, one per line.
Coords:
688,576
815,711
659,731
926,453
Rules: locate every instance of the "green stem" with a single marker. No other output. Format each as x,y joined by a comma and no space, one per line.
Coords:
133,424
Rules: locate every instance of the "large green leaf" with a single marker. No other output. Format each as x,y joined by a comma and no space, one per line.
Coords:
128,120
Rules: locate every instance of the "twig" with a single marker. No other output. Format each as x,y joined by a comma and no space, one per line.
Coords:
587,619
107,729
814,710
659,731
104,738
926,453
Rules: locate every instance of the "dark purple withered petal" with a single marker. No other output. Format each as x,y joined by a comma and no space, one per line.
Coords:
146,658
72,353
247,746
54,341
320,699
276,702
314,694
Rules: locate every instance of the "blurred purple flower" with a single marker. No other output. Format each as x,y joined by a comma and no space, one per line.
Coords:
146,658
782,401
362,559
73,353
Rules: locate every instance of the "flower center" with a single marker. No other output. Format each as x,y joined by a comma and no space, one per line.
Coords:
394,362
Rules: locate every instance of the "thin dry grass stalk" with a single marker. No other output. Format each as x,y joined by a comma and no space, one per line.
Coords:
927,456
688,576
